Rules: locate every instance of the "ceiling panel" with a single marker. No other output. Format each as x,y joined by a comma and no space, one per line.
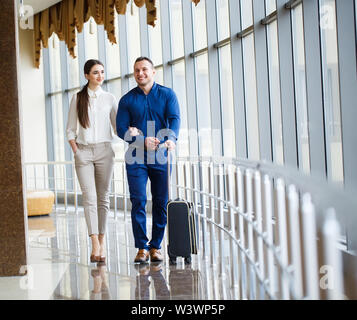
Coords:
39,5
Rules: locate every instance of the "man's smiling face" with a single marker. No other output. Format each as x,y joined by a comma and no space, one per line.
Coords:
144,73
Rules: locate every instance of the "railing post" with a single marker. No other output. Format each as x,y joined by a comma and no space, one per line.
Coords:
185,173
44,176
310,247
204,221
230,198
221,219
74,188
194,182
283,241
113,188
252,275
64,172
241,207
269,231
178,180
295,240
212,213
249,188
34,173
232,226
195,194
55,185
125,203
332,257
259,221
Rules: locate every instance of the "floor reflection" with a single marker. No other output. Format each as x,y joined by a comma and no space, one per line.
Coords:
151,274
62,239
100,282
185,283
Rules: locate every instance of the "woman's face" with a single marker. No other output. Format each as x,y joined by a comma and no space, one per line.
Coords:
96,75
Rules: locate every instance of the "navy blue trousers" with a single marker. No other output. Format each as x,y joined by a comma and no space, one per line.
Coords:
138,175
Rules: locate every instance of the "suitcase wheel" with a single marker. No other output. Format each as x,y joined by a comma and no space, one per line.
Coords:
188,260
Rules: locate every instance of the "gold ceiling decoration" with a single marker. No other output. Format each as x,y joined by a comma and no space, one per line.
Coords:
66,16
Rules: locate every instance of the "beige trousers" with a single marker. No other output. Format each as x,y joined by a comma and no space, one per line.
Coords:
94,166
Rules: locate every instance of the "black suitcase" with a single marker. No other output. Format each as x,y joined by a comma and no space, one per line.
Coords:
181,226
182,230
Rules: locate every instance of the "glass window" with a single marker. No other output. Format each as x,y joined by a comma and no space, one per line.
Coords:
114,87
155,38
91,39
159,77
133,34
176,28
58,127
274,87
179,86
203,105
113,54
132,83
73,69
223,19
300,89
55,63
250,91
246,13
270,6
227,107
199,25
331,91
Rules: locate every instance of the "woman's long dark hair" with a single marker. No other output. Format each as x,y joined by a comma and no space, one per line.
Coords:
83,98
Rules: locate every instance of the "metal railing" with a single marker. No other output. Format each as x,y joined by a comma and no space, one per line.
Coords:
279,233
61,178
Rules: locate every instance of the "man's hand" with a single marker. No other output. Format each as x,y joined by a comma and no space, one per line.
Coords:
170,145
151,143
133,131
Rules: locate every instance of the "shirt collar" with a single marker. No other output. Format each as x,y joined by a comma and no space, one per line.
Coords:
95,94
153,89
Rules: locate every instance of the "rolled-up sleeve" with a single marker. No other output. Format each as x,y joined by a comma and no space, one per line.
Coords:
71,129
173,116
123,123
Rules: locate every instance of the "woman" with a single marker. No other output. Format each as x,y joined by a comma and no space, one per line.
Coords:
90,131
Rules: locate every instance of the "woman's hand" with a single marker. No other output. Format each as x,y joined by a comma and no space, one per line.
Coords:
73,146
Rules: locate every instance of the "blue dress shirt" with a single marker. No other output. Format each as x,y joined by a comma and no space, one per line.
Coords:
156,114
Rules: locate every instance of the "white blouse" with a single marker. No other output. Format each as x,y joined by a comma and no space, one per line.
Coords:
102,113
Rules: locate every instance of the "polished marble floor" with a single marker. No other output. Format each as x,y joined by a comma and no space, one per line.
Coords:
59,267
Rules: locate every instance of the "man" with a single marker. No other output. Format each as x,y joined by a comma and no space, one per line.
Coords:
148,116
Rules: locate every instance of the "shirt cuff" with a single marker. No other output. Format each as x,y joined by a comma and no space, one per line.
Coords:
71,136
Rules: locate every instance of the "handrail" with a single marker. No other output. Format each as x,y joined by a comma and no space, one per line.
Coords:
325,194
240,203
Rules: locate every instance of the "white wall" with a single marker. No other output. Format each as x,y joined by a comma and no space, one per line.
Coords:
32,97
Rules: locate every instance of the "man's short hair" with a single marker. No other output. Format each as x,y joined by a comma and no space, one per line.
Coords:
142,59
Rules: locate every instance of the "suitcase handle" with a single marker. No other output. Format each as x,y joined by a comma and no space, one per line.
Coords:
162,145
